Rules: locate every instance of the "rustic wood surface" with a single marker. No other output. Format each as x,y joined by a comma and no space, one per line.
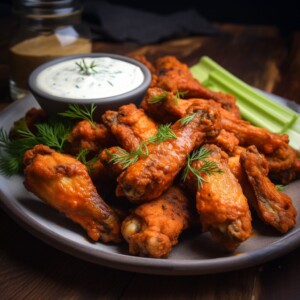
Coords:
31,269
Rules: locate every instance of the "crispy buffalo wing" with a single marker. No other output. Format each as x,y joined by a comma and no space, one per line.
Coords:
63,182
272,206
151,175
153,228
220,202
175,76
130,125
85,136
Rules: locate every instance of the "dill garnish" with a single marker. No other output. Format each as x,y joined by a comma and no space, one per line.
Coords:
158,98
280,187
208,168
164,132
187,119
82,157
52,134
128,158
80,112
84,69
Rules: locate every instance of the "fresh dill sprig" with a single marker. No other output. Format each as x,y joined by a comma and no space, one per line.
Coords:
187,119
128,158
208,167
84,69
178,95
164,132
82,157
80,112
158,98
280,187
52,134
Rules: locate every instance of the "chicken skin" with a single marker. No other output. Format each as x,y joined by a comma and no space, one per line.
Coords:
272,206
130,125
63,182
85,136
154,227
220,202
274,146
175,76
151,175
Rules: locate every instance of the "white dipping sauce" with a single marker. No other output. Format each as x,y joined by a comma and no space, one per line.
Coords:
109,77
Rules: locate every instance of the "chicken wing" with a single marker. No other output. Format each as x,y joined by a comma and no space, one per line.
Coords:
151,175
85,136
130,125
175,76
220,202
63,182
154,227
272,206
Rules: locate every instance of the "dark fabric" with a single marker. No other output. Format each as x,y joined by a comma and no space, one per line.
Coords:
120,23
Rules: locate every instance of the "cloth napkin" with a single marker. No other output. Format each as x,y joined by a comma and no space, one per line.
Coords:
126,24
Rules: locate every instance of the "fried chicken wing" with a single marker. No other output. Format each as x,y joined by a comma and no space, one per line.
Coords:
272,206
85,136
151,175
175,76
220,202
63,182
130,125
154,227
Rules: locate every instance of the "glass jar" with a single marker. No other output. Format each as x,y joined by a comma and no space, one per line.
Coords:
47,30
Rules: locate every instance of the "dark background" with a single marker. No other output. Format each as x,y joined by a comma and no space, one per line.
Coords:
282,13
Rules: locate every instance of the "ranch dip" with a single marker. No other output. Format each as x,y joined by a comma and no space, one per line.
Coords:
90,78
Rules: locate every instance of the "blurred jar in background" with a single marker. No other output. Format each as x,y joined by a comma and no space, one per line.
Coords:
47,30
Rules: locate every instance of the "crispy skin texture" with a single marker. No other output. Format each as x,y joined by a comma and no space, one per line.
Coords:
130,125
63,182
151,175
221,204
175,76
273,207
275,147
154,227
85,136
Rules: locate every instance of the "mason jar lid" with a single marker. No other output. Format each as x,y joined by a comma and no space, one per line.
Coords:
52,7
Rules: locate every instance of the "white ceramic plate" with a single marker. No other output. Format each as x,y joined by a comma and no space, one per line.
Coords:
195,253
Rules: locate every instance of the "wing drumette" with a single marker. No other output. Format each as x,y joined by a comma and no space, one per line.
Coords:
272,206
154,227
220,202
175,76
151,175
130,125
63,182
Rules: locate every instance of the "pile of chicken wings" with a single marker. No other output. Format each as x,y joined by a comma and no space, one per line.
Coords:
151,202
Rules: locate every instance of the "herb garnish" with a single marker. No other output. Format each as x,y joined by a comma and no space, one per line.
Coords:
80,112
208,168
84,69
158,98
164,132
126,159
187,119
52,134
82,157
280,187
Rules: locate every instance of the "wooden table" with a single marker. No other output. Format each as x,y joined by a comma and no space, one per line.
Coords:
31,269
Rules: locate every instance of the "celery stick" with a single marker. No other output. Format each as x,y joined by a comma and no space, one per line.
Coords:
255,107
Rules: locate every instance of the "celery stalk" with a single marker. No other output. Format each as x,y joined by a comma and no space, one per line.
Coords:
255,107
